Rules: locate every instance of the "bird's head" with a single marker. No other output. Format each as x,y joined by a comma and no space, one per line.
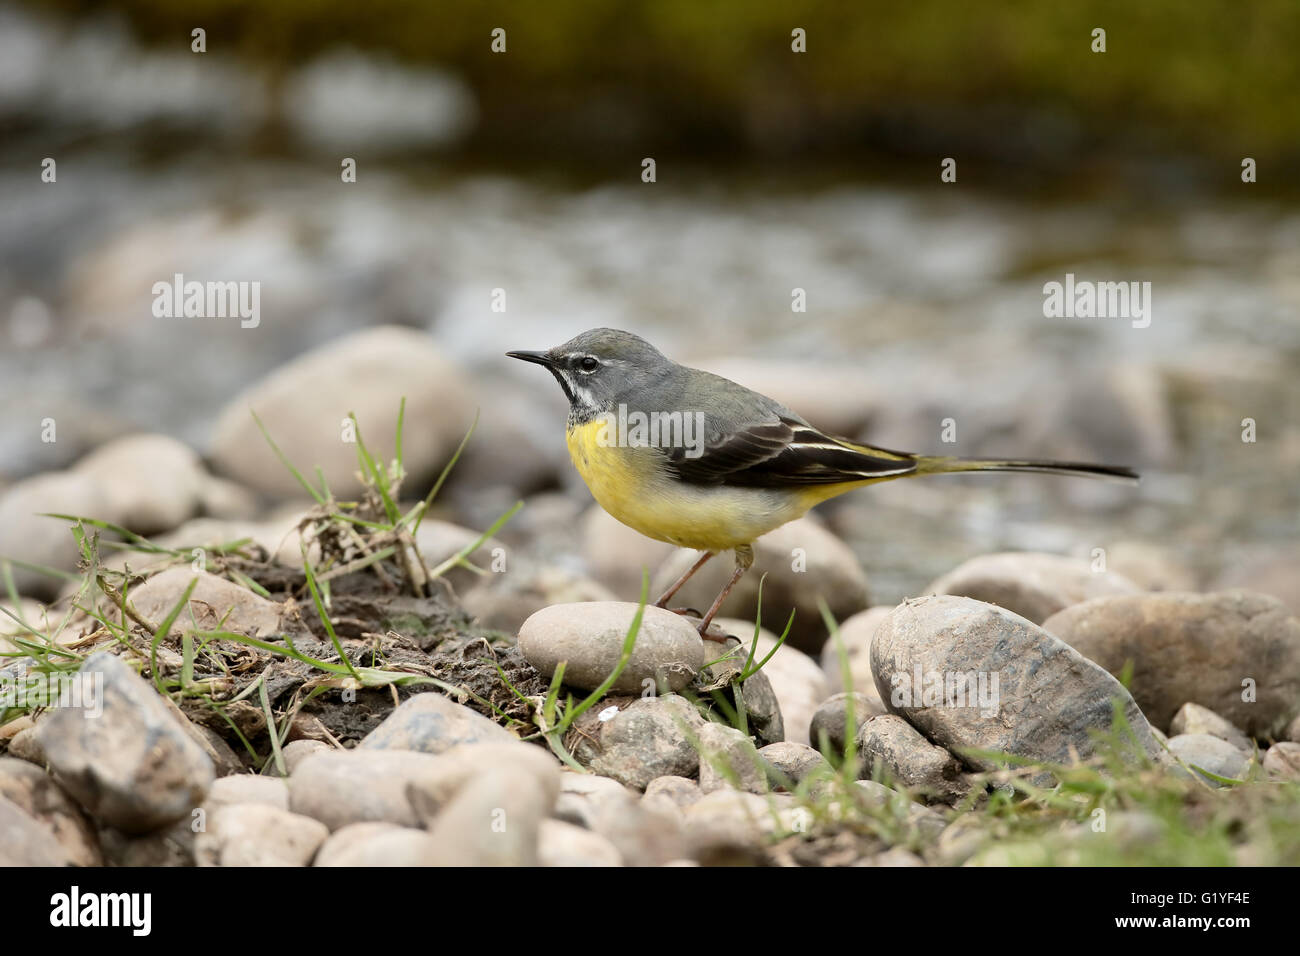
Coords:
601,368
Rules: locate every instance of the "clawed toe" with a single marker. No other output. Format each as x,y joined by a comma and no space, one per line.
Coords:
711,633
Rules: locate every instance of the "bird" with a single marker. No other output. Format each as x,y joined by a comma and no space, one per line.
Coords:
698,461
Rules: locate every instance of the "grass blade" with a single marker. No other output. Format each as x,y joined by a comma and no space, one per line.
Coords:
321,613
307,486
163,630
423,507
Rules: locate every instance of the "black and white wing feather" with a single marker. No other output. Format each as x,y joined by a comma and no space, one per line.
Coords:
780,452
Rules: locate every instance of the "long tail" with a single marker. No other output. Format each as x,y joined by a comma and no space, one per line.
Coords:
927,465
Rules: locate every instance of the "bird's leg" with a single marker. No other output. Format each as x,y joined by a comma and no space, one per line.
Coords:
744,561
677,585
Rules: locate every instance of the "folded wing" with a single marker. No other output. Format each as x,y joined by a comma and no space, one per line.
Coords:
783,451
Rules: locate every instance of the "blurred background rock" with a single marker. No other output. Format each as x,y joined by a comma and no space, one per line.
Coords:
521,171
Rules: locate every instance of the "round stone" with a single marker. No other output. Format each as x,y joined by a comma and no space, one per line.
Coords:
588,637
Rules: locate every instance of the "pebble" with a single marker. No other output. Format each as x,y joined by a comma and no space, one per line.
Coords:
36,793
1046,700
889,744
763,710
791,762
296,751
13,728
338,787
493,820
432,723
133,766
216,603
369,373
802,561
223,500
1029,583
831,719
150,483
728,825
1213,649
1195,719
563,844
27,746
1132,826
25,535
876,794
25,841
462,764
1283,760
679,791
644,832
224,759
257,834
728,758
646,738
377,844
247,788
1207,752
668,652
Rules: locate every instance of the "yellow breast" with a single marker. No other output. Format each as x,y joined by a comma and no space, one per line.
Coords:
635,486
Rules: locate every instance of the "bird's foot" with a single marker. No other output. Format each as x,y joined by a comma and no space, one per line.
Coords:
712,632
684,611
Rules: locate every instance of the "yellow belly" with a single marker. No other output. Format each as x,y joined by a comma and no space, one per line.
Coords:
634,486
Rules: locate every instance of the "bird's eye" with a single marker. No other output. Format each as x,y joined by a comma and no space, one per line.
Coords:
589,363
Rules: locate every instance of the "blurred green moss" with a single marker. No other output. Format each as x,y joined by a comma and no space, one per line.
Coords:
1218,77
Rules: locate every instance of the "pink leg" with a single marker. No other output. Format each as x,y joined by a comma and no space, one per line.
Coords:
744,560
677,585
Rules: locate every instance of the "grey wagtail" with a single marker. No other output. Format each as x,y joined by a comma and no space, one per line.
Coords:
712,465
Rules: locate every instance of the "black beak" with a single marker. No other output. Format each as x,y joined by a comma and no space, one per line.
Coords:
538,358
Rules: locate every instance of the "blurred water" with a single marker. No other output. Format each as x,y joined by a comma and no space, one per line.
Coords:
900,285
